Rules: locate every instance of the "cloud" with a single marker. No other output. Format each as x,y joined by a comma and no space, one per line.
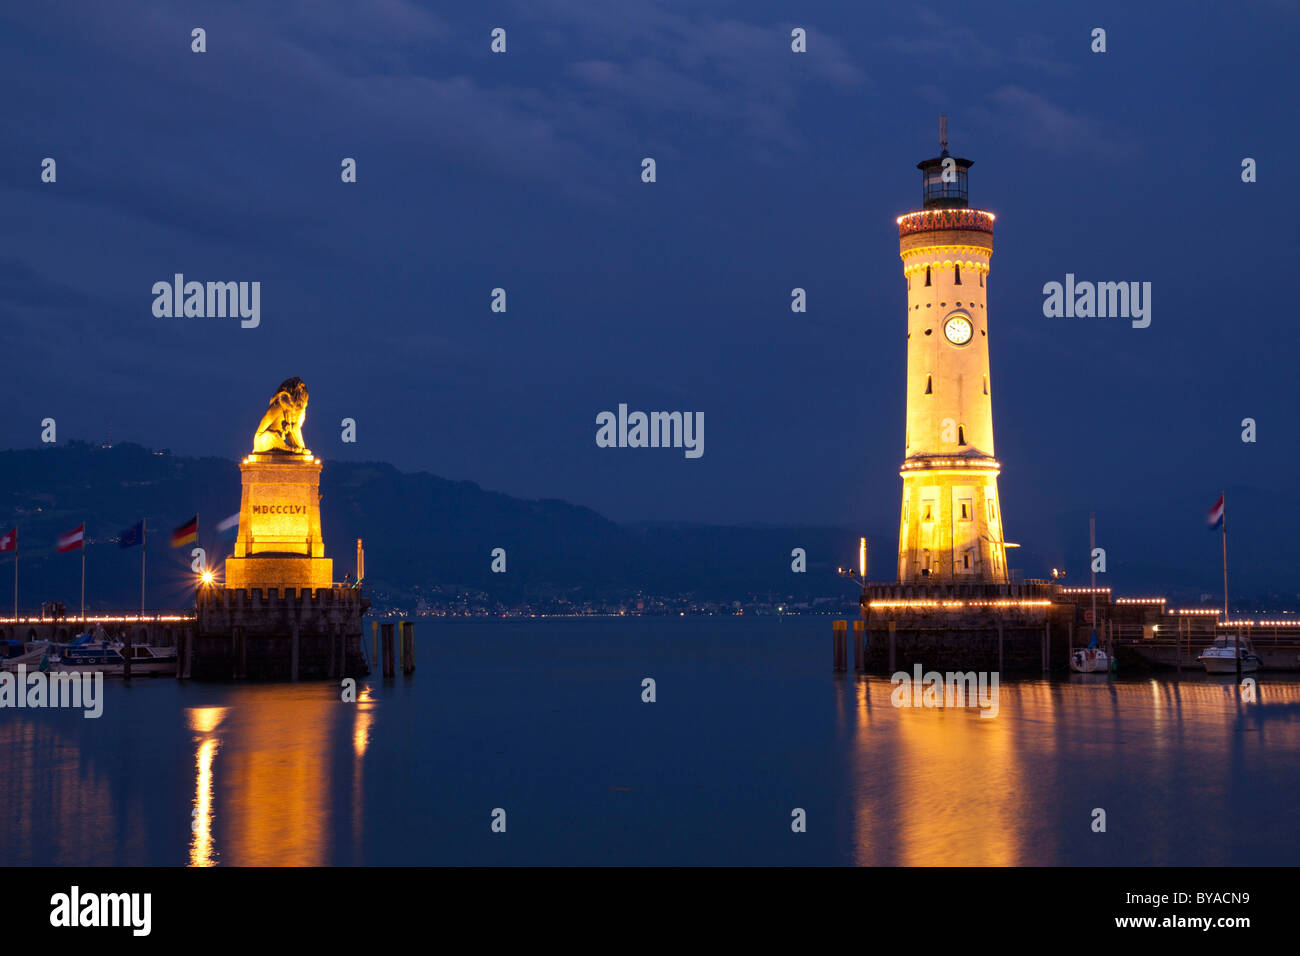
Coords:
1039,122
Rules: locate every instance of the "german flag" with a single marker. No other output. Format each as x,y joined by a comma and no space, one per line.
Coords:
186,533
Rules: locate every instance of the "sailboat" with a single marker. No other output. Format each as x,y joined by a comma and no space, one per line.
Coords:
1090,659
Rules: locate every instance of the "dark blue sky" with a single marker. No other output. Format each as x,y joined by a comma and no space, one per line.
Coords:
775,170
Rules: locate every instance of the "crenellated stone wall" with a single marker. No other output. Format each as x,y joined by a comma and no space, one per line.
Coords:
277,634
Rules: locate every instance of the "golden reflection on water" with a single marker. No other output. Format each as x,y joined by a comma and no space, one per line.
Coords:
267,757
365,717
203,721
946,787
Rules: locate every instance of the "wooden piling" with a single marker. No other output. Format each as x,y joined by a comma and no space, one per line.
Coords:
860,646
408,647
840,640
387,641
1178,648
374,643
892,644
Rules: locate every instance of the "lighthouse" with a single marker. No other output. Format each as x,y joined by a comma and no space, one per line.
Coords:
951,524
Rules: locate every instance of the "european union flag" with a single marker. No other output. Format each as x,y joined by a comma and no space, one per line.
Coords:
132,536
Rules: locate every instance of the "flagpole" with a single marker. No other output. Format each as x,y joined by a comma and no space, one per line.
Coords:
1224,525
83,576
144,540
15,580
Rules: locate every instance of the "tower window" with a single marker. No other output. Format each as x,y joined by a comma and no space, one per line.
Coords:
965,512
909,283
965,560
961,434
981,280
956,272
928,383
927,515
986,384
927,275
993,512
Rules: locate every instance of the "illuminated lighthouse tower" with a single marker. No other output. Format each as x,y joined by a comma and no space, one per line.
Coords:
951,527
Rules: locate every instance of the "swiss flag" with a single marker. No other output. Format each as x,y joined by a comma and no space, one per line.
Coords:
9,540
72,540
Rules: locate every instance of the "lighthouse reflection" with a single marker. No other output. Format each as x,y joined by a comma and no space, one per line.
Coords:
264,768
944,787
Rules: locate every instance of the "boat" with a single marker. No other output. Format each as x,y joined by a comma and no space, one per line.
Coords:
109,657
34,655
1221,657
1089,660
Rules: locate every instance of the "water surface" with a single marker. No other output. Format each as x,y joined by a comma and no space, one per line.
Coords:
544,719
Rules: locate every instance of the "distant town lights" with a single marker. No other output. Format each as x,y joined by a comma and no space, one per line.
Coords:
955,605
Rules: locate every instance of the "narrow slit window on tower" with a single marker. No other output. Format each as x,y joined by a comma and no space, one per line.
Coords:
961,434
965,513
928,389
981,280
927,275
986,384
965,560
956,274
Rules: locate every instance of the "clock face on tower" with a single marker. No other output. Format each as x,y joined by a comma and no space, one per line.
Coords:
958,329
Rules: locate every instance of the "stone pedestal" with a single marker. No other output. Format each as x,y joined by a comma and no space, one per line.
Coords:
278,635
279,543
969,626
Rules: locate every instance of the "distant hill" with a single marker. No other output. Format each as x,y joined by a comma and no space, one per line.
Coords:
431,539
425,537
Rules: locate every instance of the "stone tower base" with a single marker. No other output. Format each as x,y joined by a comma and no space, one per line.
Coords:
962,627
276,634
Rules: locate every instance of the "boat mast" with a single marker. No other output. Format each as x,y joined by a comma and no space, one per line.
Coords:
1092,563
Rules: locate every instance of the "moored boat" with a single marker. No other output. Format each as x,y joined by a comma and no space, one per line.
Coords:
1089,660
1221,656
110,657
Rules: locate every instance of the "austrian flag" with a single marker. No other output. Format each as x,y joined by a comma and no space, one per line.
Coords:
9,540
1215,516
73,540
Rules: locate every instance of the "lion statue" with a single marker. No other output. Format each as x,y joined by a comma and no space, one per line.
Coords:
281,426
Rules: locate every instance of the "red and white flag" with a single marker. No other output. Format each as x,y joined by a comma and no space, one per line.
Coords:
1215,515
9,540
73,540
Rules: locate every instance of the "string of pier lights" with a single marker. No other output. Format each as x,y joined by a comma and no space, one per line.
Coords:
953,605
